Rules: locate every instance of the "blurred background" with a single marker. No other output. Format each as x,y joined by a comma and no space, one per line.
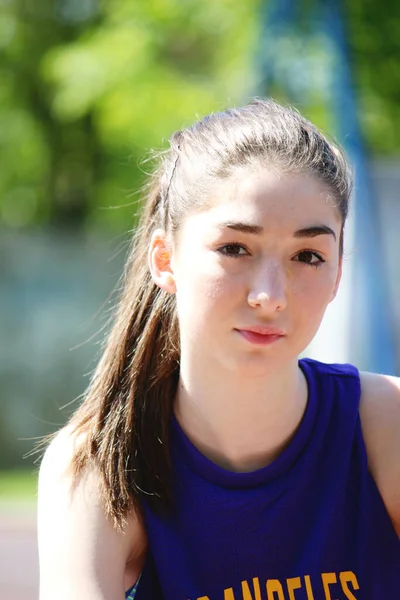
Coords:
89,91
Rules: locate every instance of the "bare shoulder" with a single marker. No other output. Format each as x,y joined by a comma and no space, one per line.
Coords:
380,420
81,554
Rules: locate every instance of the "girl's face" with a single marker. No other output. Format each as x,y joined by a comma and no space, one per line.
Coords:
264,256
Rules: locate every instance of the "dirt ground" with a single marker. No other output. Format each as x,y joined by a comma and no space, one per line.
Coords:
19,578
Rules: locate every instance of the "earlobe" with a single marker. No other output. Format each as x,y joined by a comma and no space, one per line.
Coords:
159,259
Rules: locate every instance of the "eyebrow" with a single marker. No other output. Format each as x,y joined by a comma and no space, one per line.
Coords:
305,232
243,227
313,231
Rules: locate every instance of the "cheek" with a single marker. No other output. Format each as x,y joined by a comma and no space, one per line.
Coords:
314,292
200,273
204,292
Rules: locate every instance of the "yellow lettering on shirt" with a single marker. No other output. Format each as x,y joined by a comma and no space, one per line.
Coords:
294,583
251,588
247,595
307,581
349,577
327,580
274,590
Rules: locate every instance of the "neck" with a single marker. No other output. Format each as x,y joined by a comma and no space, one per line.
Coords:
240,424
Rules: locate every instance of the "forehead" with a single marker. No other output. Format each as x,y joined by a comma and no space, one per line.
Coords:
272,199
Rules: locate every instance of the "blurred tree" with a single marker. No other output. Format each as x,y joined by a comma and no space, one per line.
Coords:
89,86
374,40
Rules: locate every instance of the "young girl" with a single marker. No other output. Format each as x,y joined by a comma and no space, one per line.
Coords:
207,462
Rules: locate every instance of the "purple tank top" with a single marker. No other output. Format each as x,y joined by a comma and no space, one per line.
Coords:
310,526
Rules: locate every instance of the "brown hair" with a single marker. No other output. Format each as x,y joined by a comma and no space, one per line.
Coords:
126,411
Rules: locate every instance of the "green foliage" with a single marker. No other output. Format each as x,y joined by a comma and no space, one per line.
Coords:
87,97
89,87
374,38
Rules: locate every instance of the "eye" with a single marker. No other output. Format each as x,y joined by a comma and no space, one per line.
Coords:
233,250
309,257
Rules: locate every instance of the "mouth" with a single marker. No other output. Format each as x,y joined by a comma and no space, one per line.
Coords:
261,336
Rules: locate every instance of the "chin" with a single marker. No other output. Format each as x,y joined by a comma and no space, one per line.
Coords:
252,367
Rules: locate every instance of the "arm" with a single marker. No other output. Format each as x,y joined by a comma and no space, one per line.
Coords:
380,420
81,555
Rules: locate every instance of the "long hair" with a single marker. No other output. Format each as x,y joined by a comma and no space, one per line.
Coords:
126,410
125,415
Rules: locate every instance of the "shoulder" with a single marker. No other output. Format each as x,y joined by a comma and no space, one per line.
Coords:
80,551
332,370
380,421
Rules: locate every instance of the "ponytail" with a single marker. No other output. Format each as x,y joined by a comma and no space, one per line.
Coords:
126,411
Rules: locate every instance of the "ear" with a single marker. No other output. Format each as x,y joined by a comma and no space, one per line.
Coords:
338,278
159,259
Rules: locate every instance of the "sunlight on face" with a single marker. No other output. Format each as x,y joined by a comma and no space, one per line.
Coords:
264,254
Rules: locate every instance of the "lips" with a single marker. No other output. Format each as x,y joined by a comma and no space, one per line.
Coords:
261,335
263,330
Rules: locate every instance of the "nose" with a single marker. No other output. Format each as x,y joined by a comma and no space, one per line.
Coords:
268,288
